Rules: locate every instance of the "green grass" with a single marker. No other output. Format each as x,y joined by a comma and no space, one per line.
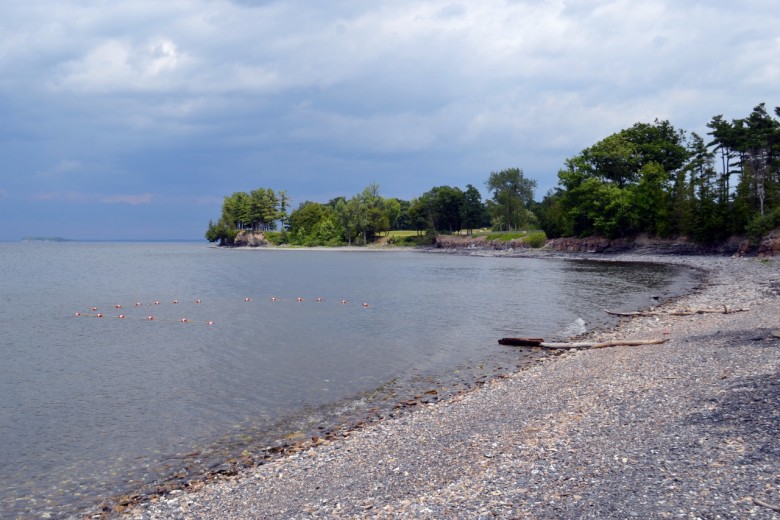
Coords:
403,233
506,236
534,239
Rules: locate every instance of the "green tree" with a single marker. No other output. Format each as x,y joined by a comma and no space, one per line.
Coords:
346,215
652,201
552,215
403,221
472,211
392,209
513,196
442,206
419,215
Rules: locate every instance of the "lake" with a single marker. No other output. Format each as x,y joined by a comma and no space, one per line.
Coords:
247,347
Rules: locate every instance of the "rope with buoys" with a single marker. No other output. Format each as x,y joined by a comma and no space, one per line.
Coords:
197,301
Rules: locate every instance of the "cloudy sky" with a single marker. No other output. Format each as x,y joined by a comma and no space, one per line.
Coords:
132,119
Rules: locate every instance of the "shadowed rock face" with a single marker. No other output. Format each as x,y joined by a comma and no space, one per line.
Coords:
590,245
250,239
770,245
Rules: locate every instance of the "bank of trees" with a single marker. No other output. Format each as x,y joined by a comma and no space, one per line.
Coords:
357,220
258,210
367,215
656,179
650,178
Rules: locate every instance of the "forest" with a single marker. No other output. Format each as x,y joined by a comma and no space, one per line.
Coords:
650,178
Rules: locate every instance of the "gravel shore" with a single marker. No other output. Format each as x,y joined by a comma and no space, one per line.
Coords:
686,429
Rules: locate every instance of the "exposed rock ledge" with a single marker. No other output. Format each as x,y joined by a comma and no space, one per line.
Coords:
250,239
770,246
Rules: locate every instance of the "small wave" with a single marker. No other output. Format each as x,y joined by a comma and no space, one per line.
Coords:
574,328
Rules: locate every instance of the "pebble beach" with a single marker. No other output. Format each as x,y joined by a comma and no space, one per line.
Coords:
686,429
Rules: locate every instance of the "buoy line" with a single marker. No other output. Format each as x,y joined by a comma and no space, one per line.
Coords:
156,303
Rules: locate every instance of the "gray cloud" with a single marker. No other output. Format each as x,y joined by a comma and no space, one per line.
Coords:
203,98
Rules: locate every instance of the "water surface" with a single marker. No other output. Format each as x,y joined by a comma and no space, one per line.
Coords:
92,407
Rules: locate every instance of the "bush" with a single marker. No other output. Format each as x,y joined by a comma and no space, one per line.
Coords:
410,240
536,239
760,225
276,238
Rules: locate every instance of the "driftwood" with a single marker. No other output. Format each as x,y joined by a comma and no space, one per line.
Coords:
539,342
683,312
521,342
760,502
604,344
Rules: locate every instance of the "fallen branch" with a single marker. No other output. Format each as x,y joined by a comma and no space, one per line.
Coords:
760,502
521,342
682,312
604,344
631,314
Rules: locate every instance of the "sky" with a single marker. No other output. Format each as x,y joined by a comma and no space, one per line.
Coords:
133,119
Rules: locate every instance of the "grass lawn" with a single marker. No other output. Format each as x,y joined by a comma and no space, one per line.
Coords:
403,233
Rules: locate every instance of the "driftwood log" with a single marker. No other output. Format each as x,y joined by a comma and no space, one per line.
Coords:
761,503
521,342
682,312
604,344
539,342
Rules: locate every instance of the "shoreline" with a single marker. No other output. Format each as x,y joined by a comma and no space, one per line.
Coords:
436,451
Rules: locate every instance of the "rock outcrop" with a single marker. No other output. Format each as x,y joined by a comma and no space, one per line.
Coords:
250,239
770,245
481,242
641,244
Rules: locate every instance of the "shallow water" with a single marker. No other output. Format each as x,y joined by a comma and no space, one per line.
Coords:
92,407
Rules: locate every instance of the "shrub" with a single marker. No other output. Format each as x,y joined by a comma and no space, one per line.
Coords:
760,225
536,239
276,238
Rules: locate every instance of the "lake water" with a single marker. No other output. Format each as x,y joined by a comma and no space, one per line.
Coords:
92,407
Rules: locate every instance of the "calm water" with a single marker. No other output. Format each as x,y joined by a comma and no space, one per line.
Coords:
92,407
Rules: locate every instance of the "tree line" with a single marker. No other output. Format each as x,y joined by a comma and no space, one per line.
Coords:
656,179
367,215
650,178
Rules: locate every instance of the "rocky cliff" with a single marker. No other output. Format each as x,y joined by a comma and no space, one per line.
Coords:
250,239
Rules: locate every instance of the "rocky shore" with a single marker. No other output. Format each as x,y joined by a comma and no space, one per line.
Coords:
686,429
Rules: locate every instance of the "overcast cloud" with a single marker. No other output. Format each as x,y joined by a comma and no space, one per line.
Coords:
132,119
